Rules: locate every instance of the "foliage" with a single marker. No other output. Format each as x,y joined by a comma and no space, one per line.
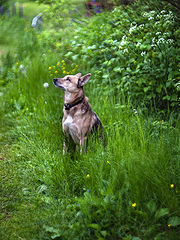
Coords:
123,2
113,193
45,1
2,2
137,54
175,4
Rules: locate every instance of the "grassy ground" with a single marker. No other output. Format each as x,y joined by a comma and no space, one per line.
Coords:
129,191
138,167
12,29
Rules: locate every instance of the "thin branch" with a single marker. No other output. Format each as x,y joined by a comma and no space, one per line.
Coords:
173,4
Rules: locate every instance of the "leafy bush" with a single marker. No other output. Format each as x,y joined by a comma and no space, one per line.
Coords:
131,52
134,54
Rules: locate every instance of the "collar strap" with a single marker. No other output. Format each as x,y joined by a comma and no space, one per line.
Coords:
68,106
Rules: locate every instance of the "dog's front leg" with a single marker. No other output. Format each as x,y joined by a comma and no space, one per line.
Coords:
83,144
64,148
65,143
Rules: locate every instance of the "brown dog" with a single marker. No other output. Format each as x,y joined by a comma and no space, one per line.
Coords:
79,120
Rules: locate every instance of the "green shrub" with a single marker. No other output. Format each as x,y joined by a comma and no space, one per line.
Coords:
134,54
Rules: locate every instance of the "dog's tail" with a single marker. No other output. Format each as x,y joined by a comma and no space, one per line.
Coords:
97,131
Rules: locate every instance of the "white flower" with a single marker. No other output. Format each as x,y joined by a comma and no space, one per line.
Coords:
143,53
154,40
122,43
21,67
161,40
138,44
125,50
141,26
158,33
46,85
152,12
135,111
170,41
132,29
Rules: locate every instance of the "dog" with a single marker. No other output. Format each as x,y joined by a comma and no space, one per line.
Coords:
79,121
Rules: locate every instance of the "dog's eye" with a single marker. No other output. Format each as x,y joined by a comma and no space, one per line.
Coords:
68,79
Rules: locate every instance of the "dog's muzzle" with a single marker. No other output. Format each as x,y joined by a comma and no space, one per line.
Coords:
57,84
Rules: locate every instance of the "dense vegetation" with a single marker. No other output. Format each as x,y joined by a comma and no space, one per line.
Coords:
131,189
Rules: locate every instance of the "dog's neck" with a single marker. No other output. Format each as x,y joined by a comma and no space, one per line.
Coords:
70,98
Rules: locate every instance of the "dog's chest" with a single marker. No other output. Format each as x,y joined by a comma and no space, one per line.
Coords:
68,123
70,127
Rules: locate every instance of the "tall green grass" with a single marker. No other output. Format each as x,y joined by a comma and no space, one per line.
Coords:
128,190
120,192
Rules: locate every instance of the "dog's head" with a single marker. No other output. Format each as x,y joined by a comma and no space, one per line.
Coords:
71,83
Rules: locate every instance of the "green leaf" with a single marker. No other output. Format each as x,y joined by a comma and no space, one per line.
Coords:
167,97
104,233
147,89
158,89
143,214
161,213
174,97
105,75
117,69
56,236
168,84
151,205
94,226
75,57
174,221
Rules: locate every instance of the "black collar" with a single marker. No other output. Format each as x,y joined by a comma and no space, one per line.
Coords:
68,106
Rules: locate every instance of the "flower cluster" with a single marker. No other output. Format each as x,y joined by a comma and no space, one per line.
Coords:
61,68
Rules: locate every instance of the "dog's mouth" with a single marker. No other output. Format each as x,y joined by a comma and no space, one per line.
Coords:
57,84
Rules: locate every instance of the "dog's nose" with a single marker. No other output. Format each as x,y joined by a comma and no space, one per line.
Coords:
55,80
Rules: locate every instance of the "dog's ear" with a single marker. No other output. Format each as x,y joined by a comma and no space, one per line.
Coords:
83,80
78,75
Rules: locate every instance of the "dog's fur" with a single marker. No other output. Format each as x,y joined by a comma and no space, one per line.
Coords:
79,120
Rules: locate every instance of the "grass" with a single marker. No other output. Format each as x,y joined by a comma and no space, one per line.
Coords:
122,192
13,29
30,8
138,166
33,9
